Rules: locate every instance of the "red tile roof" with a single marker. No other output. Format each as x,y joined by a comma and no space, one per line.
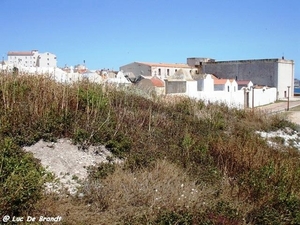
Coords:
157,82
245,82
220,81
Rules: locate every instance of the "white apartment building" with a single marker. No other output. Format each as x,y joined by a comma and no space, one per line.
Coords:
32,59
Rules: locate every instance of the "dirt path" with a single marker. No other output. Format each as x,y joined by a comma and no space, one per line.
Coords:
294,116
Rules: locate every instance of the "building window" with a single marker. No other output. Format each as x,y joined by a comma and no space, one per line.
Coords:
48,64
175,70
228,88
159,71
168,72
48,59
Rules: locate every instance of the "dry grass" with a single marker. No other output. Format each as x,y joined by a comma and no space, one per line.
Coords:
178,154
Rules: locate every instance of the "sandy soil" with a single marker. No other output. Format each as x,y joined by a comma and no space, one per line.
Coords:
67,161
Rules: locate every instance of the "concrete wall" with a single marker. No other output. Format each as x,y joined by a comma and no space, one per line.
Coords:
267,72
233,97
239,98
174,87
264,96
206,84
259,72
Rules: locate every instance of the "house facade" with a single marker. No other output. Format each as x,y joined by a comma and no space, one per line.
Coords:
277,73
31,59
209,88
161,70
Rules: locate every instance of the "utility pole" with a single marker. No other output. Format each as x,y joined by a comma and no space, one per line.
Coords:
288,102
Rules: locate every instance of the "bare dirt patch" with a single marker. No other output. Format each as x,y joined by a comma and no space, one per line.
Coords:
68,162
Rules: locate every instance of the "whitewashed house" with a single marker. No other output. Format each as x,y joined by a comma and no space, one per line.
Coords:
244,84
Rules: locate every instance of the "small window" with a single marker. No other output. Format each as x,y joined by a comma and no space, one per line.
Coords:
48,59
168,72
159,71
228,88
175,70
48,64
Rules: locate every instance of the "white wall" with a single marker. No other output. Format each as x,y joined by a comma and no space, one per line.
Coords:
285,79
23,60
262,96
47,60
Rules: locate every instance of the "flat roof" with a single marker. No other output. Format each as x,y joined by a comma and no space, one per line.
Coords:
30,53
177,65
253,60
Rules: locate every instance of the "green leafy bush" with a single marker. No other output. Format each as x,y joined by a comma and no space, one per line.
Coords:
21,179
285,211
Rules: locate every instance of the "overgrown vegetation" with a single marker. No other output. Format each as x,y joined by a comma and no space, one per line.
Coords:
184,162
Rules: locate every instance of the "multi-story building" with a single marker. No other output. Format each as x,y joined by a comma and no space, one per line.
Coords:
277,73
161,70
32,59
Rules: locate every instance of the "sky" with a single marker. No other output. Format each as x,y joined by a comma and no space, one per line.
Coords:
107,34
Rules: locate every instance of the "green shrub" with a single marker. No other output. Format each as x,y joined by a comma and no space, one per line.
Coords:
285,211
180,218
21,179
100,171
223,213
119,146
